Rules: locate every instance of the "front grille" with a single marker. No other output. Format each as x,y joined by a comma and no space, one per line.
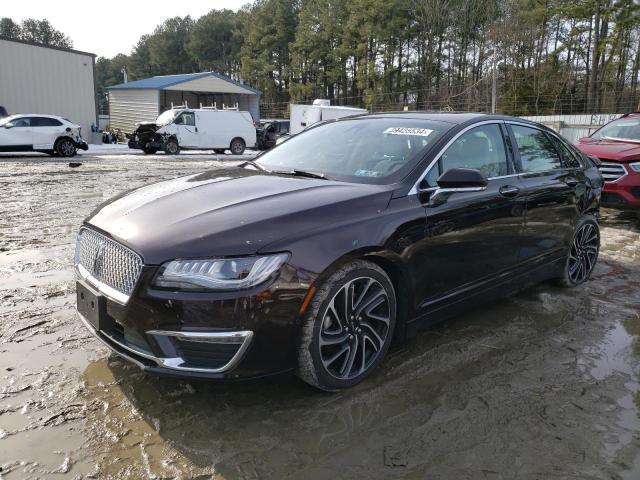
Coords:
107,261
611,171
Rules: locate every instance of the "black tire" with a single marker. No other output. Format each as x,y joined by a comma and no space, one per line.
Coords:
171,147
583,253
328,328
219,151
150,150
65,147
237,146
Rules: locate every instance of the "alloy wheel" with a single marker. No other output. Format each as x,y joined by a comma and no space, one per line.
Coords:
66,148
583,253
354,328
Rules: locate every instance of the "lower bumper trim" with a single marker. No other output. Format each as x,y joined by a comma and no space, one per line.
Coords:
178,364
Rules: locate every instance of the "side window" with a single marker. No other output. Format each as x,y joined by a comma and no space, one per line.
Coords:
537,153
21,122
481,148
44,122
568,156
187,118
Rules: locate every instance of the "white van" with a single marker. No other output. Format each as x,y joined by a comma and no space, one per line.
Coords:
196,128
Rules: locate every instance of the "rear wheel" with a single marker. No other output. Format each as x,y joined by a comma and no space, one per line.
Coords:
583,253
65,147
348,327
171,147
237,146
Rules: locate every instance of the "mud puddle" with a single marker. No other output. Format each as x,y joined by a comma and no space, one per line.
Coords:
544,385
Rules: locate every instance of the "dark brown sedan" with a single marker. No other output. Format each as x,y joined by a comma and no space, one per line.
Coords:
334,245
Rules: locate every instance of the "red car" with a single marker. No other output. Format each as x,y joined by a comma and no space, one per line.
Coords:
617,145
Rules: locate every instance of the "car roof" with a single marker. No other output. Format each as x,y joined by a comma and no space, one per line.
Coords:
454,118
19,115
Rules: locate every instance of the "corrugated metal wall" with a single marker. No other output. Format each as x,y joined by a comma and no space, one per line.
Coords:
246,102
36,79
129,107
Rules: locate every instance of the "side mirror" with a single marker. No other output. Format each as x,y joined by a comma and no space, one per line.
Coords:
462,179
8,125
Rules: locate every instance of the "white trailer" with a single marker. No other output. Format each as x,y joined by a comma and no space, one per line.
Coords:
303,116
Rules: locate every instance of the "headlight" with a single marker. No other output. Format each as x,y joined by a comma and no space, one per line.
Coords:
219,273
635,166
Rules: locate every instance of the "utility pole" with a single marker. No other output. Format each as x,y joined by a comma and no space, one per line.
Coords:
494,87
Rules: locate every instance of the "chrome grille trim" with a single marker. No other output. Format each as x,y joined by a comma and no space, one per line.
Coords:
107,265
612,171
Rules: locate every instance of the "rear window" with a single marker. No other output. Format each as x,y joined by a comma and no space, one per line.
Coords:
45,122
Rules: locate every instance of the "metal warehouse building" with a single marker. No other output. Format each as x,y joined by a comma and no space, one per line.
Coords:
143,100
49,80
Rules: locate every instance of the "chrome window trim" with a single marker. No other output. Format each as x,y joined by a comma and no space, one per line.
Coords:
243,338
415,189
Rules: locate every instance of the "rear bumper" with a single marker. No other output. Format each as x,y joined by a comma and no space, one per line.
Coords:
624,193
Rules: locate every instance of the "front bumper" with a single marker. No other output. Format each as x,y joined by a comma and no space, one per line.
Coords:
219,336
624,193
176,363
82,145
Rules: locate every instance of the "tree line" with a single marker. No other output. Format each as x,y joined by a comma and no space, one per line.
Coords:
32,30
532,56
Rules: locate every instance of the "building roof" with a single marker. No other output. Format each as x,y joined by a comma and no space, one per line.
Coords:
34,44
163,82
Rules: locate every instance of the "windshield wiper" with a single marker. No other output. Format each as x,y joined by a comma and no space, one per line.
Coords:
253,164
302,173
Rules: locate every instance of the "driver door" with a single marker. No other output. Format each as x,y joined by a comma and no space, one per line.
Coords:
187,130
472,237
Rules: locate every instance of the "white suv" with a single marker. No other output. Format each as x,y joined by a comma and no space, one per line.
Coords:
40,133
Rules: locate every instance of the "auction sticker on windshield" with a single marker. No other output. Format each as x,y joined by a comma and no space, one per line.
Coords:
420,132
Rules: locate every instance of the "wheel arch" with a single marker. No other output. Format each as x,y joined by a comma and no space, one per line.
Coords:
237,138
394,267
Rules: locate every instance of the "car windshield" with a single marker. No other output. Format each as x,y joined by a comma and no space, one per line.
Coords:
622,129
166,118
364,150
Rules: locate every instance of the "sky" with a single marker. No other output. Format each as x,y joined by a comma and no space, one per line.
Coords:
111,27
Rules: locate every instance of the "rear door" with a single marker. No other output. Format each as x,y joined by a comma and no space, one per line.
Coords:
551,189
472,237
45,131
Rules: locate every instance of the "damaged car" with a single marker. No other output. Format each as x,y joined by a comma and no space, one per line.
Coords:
327,249
202,129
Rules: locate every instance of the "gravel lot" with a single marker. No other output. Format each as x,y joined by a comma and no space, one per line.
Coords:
543,385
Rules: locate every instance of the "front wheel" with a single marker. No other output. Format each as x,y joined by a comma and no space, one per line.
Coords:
65,147
171,147
583,253
149,150
237,146
348,327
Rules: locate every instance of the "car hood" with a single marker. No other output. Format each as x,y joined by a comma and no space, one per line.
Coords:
228,212
610,149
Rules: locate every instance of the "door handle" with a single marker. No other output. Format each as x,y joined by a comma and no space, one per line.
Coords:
572,182
509,191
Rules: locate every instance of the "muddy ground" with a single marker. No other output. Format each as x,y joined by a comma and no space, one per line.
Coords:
543,385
